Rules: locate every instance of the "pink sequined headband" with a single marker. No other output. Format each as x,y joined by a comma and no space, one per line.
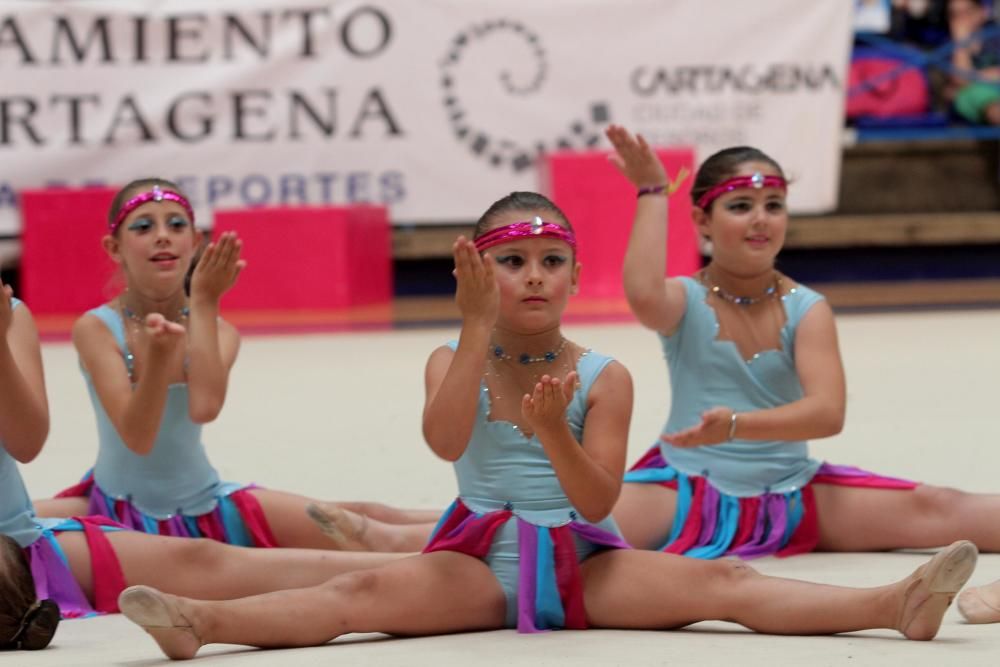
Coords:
157,194
756,181
528,229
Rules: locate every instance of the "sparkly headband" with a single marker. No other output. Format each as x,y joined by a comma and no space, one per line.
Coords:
157,194
756,181
535,228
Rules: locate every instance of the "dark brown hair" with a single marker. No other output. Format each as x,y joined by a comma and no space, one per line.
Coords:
723,165
25,621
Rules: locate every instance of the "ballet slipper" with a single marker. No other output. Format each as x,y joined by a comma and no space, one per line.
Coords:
929,591
338,524
980,604
158,614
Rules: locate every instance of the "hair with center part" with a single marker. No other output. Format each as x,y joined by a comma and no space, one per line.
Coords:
135,187
18,603
520,201
724,165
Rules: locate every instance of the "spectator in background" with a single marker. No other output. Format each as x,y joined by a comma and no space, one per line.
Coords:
975,99
919,22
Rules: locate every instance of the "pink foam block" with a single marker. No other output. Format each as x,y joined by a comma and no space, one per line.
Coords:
310,258
64,268
600,203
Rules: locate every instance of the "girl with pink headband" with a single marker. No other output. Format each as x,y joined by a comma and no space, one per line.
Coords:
536,426
77,567
755,372
156,361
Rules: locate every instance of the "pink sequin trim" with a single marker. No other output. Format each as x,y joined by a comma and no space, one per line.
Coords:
526,229
157,194
756,181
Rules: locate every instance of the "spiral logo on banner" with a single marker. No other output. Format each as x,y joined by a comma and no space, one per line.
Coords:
504,152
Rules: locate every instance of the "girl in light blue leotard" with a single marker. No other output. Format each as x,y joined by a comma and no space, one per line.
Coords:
156,359
536,426
77,566
755,372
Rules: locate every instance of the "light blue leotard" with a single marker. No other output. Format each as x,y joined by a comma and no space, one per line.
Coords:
49,564
503,470
176,477
706,372
17,515
746,498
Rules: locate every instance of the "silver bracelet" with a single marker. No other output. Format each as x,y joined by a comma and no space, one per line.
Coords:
732,426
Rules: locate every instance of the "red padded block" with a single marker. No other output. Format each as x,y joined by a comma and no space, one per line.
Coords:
310,257
64,268
600,203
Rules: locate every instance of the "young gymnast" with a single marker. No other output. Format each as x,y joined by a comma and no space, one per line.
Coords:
755,371
156,363
536,426
79,566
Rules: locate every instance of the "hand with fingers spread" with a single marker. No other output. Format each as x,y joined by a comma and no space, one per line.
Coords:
218,268
545,408
6,309
477,294
713,430
635,159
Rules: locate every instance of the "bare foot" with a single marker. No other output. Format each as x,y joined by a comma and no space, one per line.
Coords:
346,529
980,604
159,614
928,592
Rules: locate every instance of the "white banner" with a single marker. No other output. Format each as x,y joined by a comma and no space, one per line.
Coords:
433,107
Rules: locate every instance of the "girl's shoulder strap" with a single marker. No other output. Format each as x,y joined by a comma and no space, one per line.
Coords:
112,320
695,309
589,368
691,284
14,302
798,300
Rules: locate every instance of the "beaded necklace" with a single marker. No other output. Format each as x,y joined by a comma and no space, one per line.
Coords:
138,322
525,358
182,314
771,292
509,380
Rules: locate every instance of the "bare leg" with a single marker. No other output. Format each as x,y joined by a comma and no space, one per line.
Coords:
388,513
359,532
292,527
645,513
643,589
863,519
211,569
61,507
434,593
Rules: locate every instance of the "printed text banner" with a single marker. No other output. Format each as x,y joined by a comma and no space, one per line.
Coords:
435,108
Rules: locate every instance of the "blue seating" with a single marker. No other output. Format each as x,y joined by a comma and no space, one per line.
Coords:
933,125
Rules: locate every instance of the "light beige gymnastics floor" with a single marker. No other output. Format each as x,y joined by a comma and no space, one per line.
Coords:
337,416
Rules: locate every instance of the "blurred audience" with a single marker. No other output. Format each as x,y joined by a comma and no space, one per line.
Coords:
976,100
